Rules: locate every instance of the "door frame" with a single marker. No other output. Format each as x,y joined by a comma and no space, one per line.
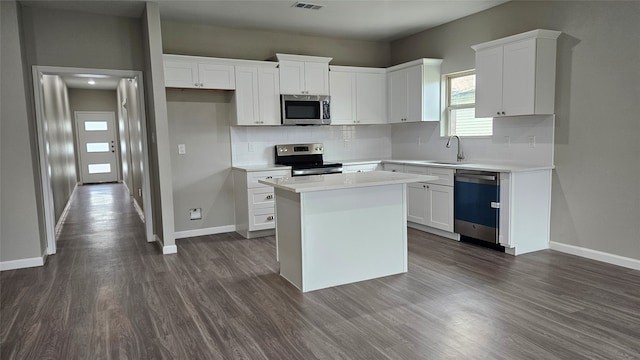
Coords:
118,169
43,160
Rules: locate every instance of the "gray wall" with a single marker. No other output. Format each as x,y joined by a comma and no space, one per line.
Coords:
90,100
21,227
73,39
158,127
224,42
59,139
201,177
596,202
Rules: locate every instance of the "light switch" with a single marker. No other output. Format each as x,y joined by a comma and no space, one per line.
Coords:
182,149
532,141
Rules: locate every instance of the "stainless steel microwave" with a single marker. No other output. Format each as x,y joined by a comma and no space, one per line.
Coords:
305,109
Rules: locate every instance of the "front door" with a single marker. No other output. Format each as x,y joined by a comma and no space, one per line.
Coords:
98,153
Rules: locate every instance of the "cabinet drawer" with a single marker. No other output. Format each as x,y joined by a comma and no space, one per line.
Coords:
261,198
360,168
393,167
262,219
253,177
445,176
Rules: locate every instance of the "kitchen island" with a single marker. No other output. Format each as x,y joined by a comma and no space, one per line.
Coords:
341,228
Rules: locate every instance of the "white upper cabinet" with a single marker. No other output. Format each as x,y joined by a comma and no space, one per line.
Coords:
182,71
516,75
256,98
303,75
414,91
358,95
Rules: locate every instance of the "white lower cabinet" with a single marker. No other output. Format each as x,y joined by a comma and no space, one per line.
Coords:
429,204
255,214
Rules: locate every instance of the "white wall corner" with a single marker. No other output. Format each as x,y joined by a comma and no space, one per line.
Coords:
23,263
205,231
596,255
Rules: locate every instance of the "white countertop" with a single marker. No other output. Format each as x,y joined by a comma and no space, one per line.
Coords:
472,165
301,184
253,168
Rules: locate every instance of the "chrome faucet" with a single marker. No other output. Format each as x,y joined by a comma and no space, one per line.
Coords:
460,155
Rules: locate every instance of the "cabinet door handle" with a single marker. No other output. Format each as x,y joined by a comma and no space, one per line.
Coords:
270,217
498,113
269,197
269,177
503,113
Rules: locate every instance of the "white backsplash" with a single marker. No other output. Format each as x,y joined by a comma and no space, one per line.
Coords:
255,145
422,141
414,141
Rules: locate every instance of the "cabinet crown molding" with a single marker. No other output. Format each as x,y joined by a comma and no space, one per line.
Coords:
423,61
304,58
533,34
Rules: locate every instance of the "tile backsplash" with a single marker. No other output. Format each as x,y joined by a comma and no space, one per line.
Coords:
255,145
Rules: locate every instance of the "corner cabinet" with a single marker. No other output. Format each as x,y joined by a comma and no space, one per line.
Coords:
414,91
516,75
256,99
255,210
181,71
306,75
358,95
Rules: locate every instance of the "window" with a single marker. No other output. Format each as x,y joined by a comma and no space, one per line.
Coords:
460,106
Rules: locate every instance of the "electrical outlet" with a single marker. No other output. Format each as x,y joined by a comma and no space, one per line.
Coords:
251,147
507,141
532,141
347,144
195,214
182,149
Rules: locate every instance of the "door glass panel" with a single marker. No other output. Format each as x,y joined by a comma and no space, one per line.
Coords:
95,125
99,168
97,147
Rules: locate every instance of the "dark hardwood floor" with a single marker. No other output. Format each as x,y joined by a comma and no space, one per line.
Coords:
107,294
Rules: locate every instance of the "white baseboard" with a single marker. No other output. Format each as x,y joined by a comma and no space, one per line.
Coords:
596,255
138,209
166,249
429,229
205,231
65,212
22,263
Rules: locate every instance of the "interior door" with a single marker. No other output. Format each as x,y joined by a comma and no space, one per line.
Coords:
97,150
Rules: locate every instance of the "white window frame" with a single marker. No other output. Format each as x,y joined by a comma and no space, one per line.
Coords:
446,123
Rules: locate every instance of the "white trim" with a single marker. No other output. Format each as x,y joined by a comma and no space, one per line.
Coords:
205,231
65,212
23,263
138,208
596,255
166,249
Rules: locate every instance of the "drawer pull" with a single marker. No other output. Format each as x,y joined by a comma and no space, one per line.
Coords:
270,217
269,177
269,197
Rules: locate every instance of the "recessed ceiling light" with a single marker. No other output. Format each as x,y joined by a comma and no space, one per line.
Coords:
91,82
97,76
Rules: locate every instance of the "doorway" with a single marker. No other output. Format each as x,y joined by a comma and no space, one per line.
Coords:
96,146
51,192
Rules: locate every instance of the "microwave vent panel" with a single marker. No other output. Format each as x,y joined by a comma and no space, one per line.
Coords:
302,5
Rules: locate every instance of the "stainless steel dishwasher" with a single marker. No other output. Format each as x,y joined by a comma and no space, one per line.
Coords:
477,204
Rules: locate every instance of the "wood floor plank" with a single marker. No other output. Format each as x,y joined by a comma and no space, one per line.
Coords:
108,294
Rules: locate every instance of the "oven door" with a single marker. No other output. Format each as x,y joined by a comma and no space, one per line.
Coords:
477,205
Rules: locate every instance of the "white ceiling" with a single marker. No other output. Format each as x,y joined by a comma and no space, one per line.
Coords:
81,81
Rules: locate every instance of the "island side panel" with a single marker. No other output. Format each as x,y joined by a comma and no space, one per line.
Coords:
350,235
288,231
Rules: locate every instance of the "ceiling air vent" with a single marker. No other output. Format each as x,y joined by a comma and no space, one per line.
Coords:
302,5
